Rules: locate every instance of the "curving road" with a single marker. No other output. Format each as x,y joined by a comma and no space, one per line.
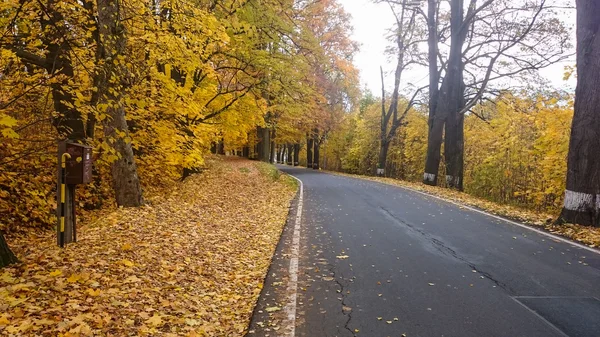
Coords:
378,260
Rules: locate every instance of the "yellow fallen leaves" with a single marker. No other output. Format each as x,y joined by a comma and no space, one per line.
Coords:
191,263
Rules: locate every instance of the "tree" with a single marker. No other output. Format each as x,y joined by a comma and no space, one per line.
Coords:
488,42
582,195
126,183
407,38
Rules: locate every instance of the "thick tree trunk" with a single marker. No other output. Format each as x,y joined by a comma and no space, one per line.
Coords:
309,152
296,154
290,153
126,183
316,154
454,151
246,151
221,147
434,145
383,152
6,255
58,62
582,196
450,101
264,144
272,158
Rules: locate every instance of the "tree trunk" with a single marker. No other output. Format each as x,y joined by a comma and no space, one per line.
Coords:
296,154
69,123
582,196
6,255
454,150
450,101
383,152
264,143
221,147
434,145
126,183
309,152
272,158
316,154
290,152
246,151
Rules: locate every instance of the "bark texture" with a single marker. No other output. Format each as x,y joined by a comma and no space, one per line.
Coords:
582,198
126,183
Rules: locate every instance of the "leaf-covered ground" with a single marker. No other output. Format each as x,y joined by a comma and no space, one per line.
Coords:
586,235
191,263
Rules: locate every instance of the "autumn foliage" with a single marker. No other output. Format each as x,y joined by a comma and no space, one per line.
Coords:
515,148
167,80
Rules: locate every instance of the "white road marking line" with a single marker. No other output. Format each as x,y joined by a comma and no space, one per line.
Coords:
289,324
541,317
539,231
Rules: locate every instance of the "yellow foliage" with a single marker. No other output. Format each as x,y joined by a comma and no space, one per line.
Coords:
517,156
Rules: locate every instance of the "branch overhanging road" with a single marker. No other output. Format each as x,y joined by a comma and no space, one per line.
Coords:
380,260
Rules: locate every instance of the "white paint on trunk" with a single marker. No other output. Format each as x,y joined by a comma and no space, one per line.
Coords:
452,181
429,177
380,171
289,323
577,201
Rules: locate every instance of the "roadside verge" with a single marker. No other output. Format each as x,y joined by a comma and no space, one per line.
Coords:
191,263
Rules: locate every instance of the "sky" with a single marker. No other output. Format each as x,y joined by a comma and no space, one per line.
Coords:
371,23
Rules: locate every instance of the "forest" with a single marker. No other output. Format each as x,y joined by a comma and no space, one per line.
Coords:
156,86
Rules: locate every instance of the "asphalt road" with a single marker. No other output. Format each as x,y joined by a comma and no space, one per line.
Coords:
378,260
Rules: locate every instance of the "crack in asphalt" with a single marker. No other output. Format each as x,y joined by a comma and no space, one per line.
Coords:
349,314
444,249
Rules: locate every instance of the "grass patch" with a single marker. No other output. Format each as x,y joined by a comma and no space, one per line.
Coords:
268,170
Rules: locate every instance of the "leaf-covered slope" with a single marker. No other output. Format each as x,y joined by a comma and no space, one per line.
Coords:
190,263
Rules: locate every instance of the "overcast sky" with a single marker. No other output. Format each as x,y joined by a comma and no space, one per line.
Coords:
371,22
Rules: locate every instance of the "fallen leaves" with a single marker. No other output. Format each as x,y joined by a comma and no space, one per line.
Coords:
190,263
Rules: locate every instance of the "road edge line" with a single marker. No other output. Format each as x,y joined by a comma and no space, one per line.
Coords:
456,203
292,288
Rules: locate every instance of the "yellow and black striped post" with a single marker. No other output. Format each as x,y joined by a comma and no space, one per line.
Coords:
63,178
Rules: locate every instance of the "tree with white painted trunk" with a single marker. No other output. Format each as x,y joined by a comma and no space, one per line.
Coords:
582,195
491,43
